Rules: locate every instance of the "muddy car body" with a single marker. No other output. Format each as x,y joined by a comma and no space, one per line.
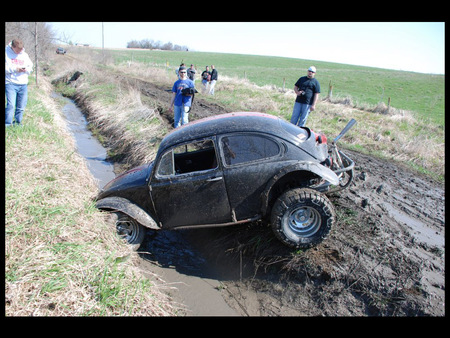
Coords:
230,169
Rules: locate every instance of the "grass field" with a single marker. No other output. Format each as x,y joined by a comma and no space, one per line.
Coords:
365,86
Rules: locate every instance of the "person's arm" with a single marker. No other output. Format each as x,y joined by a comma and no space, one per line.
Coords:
172,101
297,91
314,101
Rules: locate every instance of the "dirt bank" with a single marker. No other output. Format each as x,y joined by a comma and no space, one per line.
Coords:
384,257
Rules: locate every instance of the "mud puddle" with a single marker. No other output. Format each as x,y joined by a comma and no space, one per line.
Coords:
179,268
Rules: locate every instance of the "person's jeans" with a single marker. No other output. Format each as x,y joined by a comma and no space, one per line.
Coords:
205,86
180,115
212,84
300,114
16,101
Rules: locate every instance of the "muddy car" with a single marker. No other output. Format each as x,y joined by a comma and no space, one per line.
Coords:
231,169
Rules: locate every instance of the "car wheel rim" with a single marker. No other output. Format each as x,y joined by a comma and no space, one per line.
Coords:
304,221
127,229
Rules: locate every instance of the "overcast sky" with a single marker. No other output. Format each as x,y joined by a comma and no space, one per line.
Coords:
411,46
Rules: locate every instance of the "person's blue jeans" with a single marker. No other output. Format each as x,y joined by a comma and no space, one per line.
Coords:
300,114
16,101
180,115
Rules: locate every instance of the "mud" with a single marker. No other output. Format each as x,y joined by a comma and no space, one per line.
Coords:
385,256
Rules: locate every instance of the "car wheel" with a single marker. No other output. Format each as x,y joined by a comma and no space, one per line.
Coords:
302,218
129,229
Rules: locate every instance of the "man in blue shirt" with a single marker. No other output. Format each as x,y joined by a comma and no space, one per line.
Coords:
180,103
307,89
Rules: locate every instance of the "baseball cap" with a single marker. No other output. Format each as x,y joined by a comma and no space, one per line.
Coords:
312,69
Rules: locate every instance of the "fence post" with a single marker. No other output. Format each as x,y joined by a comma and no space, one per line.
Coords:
330,90
389,104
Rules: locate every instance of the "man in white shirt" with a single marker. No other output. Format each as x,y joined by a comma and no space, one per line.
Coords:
17,68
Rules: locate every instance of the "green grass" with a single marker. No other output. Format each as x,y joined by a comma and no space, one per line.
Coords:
417,92
61,258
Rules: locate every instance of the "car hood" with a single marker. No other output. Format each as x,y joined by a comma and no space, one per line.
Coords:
133,178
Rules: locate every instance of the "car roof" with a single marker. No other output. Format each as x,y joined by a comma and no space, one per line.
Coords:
223,123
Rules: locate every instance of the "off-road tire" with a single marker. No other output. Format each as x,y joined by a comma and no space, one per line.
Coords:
302,218
129,229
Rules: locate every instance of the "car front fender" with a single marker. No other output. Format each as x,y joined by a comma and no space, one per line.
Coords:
127,207
313,167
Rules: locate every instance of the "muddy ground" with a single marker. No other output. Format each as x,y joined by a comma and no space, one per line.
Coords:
385,256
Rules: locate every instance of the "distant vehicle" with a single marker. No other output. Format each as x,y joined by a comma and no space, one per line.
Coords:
231,169
60,50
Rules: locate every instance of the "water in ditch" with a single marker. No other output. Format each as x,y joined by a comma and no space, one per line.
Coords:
166,253
87,145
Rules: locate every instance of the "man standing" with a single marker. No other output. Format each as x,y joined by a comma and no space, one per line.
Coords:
307,89
180,103
206,78
17,68
191,73
214,76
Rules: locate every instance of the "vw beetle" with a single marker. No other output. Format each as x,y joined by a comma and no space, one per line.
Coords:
230,169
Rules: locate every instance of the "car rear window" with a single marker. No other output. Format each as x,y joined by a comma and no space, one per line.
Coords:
301,133
247,148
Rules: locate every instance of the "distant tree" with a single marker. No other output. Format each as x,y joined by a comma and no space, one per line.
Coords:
133,44
151,44
167,46
26,32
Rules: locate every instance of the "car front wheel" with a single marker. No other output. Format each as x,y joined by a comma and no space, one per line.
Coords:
302,218
129,229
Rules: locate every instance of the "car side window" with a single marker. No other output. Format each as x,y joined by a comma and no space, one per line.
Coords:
187,158
247,148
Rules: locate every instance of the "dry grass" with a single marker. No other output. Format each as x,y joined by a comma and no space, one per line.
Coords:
61,257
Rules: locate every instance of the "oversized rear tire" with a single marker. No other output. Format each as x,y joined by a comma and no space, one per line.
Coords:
302,218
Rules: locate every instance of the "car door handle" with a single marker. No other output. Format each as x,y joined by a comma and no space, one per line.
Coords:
214,179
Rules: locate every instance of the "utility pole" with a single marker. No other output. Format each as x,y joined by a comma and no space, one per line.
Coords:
103,44
36,52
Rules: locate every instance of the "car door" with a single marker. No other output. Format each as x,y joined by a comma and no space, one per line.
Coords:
250,160
188,187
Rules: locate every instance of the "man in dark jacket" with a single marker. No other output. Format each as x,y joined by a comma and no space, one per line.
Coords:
214,75
307,89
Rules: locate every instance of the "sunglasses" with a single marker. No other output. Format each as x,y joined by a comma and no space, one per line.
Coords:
182,72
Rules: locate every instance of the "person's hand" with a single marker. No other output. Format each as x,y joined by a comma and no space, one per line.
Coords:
312,108
21,69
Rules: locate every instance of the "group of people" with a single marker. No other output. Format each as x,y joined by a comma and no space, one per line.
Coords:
209,79
18,66
182,99
307,90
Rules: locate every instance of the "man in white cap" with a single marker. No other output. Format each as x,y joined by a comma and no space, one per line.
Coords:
307,89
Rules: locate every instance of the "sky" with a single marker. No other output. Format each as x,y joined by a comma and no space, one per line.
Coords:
408,46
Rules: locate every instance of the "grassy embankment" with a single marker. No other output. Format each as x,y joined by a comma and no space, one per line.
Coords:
61,257
362,87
